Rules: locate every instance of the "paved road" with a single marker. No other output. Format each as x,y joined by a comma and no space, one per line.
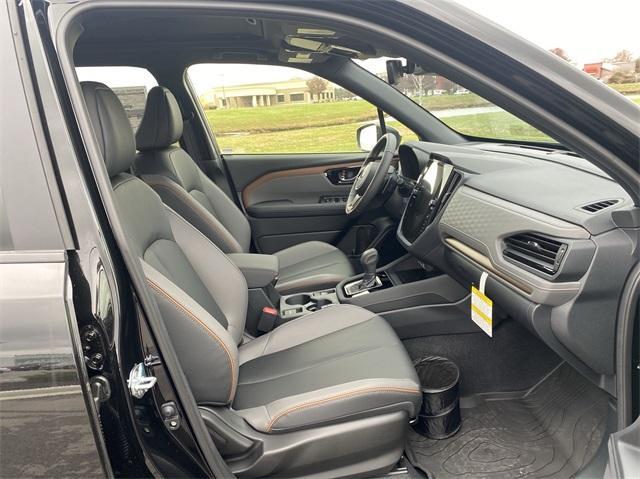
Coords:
477,110
45,433
451,112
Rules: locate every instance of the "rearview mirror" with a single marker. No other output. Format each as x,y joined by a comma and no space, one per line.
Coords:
369,134
395,70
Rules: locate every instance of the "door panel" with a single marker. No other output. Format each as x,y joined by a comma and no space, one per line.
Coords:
247,168
290,199
299,189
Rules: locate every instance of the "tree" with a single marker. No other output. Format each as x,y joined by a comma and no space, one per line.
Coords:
622,77
342,94
623,56
637,66
316,85
561,53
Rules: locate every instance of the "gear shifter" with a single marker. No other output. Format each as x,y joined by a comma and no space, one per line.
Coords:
369,262
370,280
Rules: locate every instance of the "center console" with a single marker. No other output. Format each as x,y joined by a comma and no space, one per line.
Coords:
414,296
411,293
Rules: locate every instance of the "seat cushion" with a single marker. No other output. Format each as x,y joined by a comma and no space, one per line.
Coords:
340,363
311,266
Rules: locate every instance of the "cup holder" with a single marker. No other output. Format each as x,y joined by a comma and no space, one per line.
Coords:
322,302
298,299
303,303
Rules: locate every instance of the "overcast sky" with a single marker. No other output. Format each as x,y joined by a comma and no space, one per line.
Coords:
588,30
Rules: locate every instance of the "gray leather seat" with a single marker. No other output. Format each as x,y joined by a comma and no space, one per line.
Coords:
181,184
321,383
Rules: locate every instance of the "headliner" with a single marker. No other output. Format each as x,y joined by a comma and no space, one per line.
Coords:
141,38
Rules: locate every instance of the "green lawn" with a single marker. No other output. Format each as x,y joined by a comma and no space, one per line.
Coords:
286,117
323,139
331,127
500,124
444,102
626,88
342,138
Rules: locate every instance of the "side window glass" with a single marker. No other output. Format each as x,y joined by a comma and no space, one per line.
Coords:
262,109
457,107
130,84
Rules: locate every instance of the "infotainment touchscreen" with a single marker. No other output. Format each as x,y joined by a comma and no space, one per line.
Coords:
425,198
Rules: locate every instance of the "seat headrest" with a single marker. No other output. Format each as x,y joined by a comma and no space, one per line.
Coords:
161,124
111,126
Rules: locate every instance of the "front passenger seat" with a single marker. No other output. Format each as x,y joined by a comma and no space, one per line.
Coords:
329,393
174,175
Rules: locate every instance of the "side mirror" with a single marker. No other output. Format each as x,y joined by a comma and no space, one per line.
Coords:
369,134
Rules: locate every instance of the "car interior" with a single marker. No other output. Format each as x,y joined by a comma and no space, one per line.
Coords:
303,293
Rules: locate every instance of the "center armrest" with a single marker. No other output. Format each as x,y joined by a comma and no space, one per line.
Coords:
260,270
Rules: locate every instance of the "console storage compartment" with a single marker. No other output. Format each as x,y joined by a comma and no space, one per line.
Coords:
416,299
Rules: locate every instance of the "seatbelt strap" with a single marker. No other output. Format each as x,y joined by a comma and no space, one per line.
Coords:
188,138
383,125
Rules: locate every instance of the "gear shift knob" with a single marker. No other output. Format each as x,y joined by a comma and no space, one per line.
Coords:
369,262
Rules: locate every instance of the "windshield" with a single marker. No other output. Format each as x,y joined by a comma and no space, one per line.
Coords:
460,109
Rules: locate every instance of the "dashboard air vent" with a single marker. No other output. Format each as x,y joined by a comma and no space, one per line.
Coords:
599,205
536,251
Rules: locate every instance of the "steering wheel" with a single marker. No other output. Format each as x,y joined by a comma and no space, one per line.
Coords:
370,179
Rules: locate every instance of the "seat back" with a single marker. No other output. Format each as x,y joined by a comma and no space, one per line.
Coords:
181,184
201,294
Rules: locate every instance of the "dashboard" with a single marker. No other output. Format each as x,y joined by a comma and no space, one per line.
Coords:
540,222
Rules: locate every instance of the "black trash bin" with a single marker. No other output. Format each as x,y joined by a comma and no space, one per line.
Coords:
440,413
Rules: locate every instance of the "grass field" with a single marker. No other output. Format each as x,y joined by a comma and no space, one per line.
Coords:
626,88
331,127
291,116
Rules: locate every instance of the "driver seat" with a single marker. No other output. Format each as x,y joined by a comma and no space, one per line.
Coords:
176,177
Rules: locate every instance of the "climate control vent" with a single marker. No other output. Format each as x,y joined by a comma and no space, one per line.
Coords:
599,205
535,251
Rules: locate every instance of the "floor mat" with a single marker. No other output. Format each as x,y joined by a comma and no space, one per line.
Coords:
552,431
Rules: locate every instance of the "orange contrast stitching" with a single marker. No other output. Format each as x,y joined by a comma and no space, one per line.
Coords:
183,308
338,396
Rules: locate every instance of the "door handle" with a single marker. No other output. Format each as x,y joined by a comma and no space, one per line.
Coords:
345,178
342,176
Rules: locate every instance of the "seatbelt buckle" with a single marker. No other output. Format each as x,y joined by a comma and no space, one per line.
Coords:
268,319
